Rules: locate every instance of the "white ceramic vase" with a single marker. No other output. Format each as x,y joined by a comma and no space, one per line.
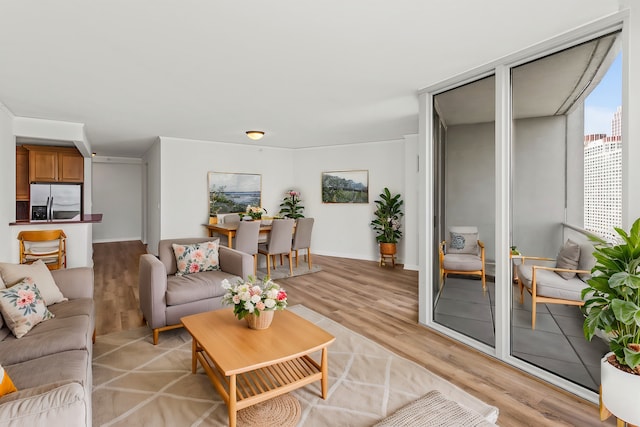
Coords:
620,392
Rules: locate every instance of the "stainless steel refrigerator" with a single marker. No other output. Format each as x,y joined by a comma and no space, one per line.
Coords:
56,202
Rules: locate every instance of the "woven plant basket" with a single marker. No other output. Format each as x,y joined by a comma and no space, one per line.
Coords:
260,322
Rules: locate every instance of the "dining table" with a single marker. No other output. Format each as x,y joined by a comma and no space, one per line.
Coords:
229,229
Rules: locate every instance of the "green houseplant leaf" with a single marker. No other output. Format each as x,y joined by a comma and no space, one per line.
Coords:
388,214
612,298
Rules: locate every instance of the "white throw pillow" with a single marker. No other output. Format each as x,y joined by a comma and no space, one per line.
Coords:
38,271
22,307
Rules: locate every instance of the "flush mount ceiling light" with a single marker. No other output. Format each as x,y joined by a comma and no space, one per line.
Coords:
255,134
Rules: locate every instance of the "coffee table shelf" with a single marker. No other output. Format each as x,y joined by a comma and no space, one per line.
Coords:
265,383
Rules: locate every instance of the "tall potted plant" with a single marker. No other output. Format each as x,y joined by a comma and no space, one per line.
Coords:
386,224
612,305
291,206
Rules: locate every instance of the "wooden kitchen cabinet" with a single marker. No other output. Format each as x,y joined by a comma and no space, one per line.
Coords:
55,164
22,174
70,167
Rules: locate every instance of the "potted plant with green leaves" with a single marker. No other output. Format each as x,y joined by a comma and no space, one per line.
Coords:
612,306
291,206
387,224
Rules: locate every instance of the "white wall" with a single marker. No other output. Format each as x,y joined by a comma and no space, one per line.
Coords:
184,188
410,242
117,194
151,199
539,185
343,229
470,181
7,183
78,242
575,167
630,122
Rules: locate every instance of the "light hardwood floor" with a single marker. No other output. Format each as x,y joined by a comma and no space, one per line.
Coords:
382,304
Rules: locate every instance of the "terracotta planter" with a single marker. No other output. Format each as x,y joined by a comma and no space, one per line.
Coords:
260,322
620,392
388,248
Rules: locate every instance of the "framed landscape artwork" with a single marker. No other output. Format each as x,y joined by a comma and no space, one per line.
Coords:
233,192
345,186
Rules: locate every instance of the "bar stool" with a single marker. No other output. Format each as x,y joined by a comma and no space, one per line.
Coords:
47,245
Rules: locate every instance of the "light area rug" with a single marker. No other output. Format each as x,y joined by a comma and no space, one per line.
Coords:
138,384
282,271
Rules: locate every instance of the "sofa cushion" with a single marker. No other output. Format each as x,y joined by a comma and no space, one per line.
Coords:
196,257
462,262
194,287
6,385
22,307
549,284
568,258
51,337
75,307
64,366
14,273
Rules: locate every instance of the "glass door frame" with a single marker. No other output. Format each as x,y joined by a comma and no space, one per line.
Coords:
503,134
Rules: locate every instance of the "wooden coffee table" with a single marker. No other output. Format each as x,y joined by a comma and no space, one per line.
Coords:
248,366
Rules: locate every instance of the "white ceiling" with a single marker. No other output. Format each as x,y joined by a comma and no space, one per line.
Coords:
308,73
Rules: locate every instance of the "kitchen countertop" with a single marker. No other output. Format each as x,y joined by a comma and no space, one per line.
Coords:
86,219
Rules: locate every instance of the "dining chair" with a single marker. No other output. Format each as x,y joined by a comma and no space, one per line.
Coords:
302,238
278,242
47,245
228,218
247,240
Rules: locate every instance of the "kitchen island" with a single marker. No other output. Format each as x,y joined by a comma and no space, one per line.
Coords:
79,237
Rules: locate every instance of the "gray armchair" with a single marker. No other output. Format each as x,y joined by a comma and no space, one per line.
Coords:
165,297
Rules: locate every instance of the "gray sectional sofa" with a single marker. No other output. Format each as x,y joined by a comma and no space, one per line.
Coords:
165,297
51,365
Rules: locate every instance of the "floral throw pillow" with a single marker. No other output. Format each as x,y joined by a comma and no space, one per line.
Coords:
22,307
196,257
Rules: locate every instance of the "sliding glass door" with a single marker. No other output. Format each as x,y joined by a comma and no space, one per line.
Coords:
550,141
465,200
564,182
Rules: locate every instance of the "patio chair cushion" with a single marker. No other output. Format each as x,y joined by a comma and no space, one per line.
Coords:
462,262
551,285
568,258
587,261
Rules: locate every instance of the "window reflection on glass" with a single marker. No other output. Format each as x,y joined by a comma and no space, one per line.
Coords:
563,176
464,202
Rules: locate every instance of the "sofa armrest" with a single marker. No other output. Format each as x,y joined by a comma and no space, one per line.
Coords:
152,287
235,262
75,282
51,404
